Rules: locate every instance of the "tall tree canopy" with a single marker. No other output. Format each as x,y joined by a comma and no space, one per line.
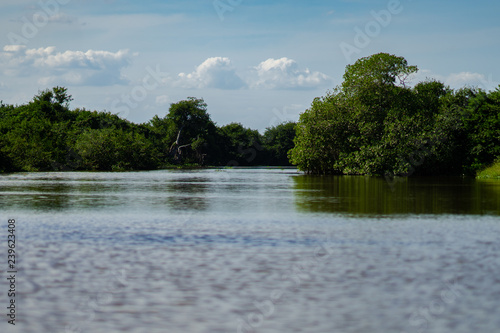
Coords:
190,132
278,140
374,123
378,70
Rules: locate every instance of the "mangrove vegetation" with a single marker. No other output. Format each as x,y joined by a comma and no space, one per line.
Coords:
46,135
374,123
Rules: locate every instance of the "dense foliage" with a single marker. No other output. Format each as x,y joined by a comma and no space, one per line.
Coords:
374,124
45,134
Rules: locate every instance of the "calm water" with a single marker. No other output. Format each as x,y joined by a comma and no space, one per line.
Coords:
252,250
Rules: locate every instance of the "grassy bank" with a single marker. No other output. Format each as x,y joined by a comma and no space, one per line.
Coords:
492,172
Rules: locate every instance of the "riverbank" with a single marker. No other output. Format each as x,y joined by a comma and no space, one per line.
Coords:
492,172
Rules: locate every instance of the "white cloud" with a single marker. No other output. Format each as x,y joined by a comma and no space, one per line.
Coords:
458,80
285,73
162,100
216,72
98,68
13,48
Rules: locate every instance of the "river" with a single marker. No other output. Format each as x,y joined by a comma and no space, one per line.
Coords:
251,250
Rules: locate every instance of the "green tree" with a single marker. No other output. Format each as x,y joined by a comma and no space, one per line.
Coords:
374,86
243,146
375,124
376,71
343,132
189,130
34,135
278,140
114,149
483,129
322,134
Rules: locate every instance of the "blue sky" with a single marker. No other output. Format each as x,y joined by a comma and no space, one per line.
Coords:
254,62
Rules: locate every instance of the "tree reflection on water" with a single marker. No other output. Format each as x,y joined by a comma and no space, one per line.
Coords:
373,196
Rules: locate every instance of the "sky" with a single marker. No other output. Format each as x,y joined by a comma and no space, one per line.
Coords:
258,63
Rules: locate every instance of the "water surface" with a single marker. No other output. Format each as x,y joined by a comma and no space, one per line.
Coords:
253,250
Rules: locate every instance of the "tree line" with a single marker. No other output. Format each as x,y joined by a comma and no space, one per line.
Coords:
374,123
46,135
